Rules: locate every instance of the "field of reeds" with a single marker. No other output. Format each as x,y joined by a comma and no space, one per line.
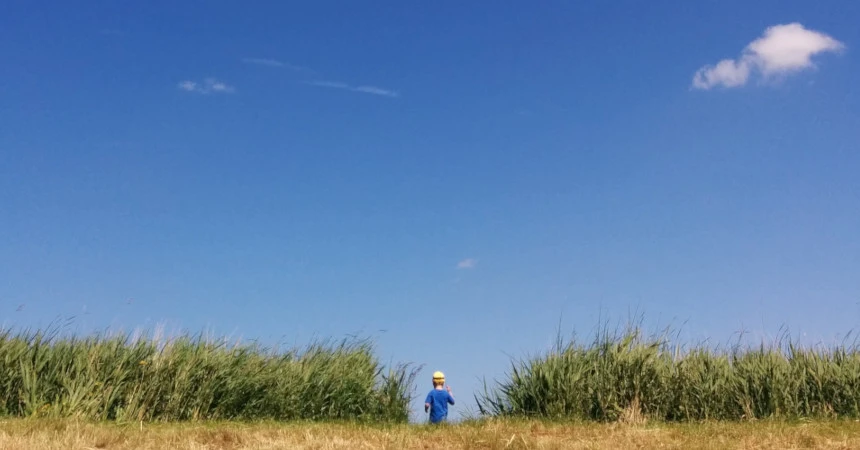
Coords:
621,375
127,379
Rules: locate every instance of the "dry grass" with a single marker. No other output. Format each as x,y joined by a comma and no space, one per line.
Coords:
21,434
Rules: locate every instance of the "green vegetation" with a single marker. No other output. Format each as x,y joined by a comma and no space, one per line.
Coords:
621,376
193,378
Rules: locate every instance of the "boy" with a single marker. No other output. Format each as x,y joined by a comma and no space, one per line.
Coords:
438,399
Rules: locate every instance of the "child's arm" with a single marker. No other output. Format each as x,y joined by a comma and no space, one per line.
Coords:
427,403
450,395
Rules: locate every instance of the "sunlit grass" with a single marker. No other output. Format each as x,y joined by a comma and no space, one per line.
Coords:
623,376
195,378
52,434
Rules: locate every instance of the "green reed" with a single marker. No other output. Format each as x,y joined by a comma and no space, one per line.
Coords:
196,378
622,375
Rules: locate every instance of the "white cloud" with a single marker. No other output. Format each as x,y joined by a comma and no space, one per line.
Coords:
374,90
783,49
208,86
189,86
275,63
728,72
365,89
218,86
787,48
468,263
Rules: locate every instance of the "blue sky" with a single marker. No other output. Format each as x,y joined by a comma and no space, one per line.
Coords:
456,180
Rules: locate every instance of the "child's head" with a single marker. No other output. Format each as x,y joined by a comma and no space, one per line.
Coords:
438,379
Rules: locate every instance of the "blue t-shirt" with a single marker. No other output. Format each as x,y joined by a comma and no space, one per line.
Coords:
439,400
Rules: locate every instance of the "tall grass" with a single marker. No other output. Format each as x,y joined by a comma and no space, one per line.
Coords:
195,378
622,375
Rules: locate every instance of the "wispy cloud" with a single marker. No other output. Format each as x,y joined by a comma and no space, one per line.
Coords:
374,90
275,63
782,50
208,86
365,89
468,263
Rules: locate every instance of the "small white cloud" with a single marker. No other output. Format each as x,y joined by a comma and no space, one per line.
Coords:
189,86
787,48
374,90
275,63
218,86
208,86
783,49
728,72
468,263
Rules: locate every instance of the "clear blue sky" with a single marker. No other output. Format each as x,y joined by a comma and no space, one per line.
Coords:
283,171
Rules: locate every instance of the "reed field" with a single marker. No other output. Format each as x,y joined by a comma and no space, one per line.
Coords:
619,390
120,378
623,376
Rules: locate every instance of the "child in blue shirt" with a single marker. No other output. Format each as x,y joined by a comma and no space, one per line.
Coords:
438,399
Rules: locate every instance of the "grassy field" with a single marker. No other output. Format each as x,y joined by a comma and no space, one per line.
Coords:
618,391
56,434
619,376
126,378
623,375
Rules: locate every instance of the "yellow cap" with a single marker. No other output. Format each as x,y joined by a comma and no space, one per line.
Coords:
438,376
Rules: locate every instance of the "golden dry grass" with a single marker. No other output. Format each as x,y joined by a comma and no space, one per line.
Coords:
20,434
